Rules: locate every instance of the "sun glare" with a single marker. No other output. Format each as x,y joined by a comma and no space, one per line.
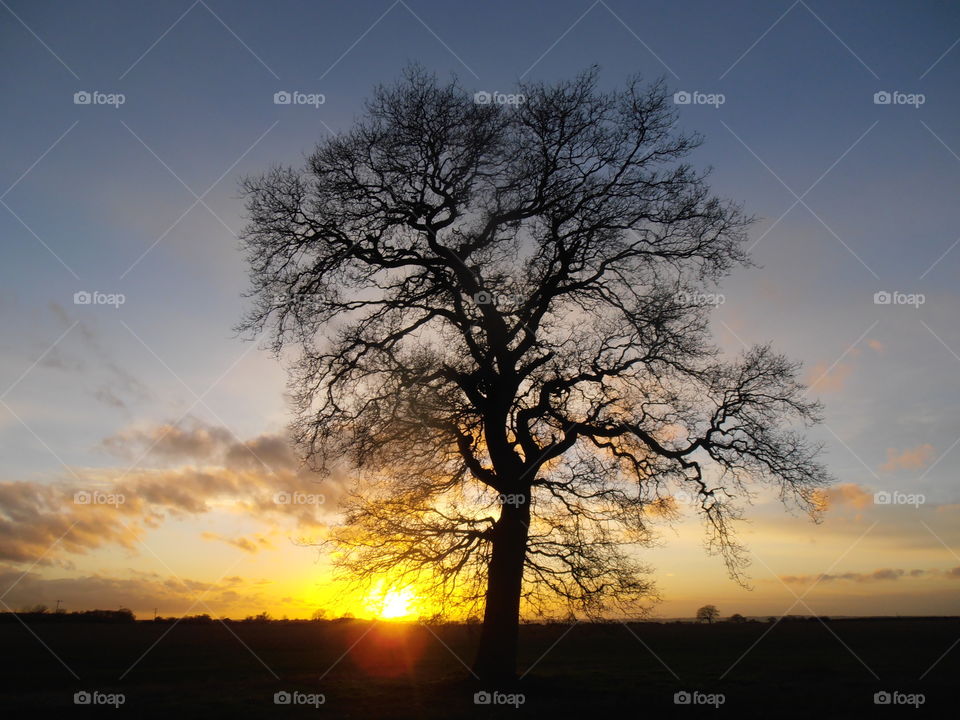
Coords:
392,604
396,604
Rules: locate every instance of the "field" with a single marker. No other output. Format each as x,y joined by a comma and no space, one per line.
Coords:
801,668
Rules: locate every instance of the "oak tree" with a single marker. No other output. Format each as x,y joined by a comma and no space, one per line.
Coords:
498,312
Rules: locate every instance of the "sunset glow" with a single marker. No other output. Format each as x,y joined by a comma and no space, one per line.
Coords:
394,604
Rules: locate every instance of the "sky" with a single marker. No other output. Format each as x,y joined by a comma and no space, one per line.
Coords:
834,123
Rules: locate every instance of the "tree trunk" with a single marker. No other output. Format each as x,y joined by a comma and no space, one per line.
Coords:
496,659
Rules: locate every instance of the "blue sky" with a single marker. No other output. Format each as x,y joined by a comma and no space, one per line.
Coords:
103,198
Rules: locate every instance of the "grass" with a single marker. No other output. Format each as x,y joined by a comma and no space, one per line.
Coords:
797,668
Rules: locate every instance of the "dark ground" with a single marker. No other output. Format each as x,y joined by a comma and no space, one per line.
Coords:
799,670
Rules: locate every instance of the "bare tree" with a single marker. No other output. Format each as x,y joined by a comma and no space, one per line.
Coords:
498,315
708,614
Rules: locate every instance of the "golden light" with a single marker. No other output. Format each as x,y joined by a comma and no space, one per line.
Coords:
396,604
391,604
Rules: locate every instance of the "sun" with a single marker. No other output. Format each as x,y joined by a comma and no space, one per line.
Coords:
391,604
396,604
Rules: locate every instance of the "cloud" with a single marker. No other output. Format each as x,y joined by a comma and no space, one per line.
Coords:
252,546
881,575
852,494
875,576
196,442
116,386
909,459
824,378
108,397
138,590
259,478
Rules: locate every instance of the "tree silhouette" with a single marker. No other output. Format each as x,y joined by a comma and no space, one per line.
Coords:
497,314
708,614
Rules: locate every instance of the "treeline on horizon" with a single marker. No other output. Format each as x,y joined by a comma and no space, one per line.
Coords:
125,615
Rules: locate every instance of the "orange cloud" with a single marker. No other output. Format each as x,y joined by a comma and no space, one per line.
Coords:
823,378
260,478
910,459
250,545
850,494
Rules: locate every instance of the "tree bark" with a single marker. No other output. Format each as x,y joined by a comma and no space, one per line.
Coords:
496,659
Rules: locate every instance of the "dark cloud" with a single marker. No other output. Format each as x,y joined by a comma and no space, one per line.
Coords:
875,576
137,590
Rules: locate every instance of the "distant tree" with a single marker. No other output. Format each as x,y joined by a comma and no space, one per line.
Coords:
708,614
319,614
499,314
737,618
